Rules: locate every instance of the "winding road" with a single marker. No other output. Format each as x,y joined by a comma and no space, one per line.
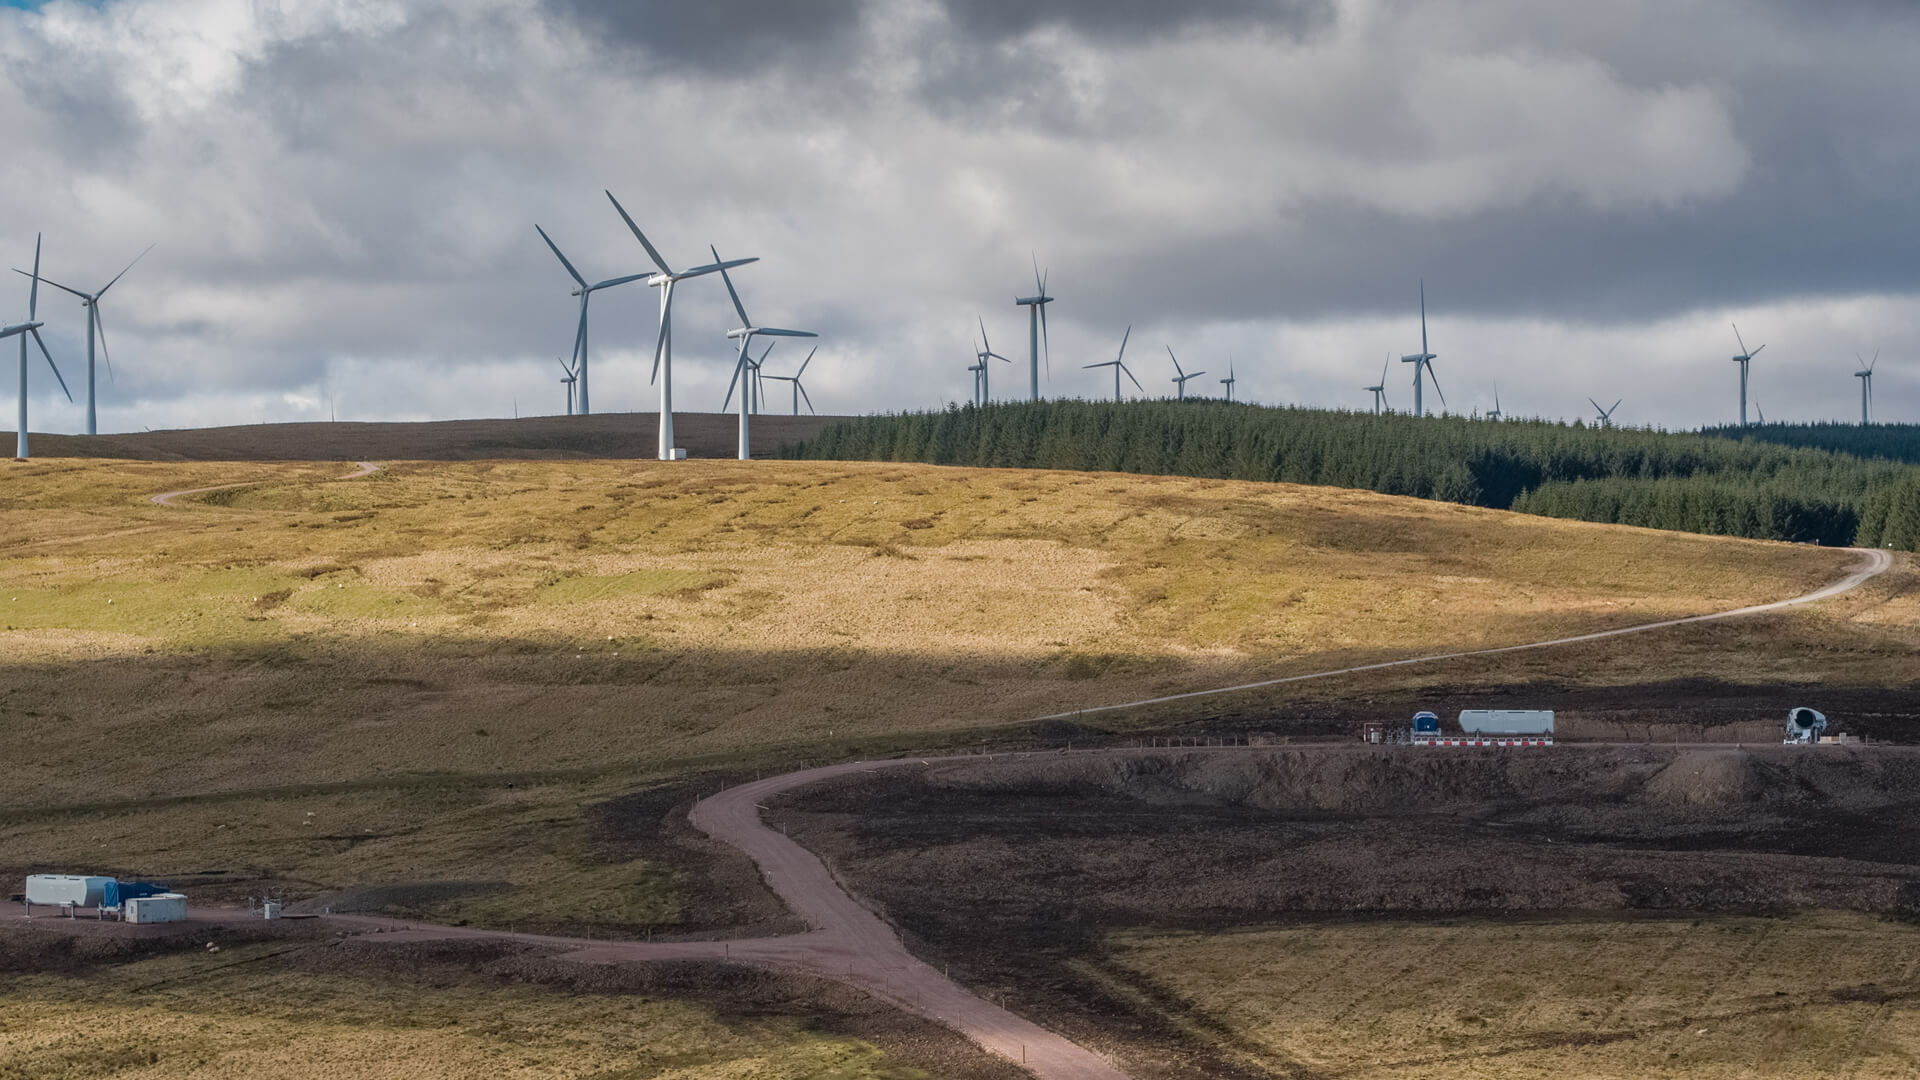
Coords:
850,943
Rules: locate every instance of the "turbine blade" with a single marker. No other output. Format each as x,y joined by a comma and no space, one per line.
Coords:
985,345
774,331
804,397
1046,345
1123,344
1175,359
745,322
1423,319
1875,360
121,274
1737,337
55,284
100,328
580,332
51,364
555,248
611,282
33,297
1756,352
804,363
731,383
666,320
640,236
700,271
1129,371
1596,405
1436,382
765,351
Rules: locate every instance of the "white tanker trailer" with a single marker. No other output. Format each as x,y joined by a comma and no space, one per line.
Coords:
1487,727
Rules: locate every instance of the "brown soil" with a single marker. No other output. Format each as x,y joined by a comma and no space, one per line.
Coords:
1015,870
605,435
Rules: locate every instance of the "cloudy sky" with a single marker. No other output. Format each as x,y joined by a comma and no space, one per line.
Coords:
343,194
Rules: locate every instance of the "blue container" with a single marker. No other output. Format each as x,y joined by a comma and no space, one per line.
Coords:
119,892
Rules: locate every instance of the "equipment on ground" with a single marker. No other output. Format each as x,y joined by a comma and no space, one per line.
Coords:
61,890
1486,727
165,907
1804,726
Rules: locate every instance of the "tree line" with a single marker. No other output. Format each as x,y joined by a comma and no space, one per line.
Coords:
1708,483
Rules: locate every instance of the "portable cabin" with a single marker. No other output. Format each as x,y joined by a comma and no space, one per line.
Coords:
166,907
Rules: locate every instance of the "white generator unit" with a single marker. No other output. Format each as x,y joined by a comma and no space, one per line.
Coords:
1805,726
167,907
1507,721
57,890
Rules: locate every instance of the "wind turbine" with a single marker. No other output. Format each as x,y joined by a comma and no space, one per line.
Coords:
745,333
985,354
1228,381
585,293
1865,375
1180,379
1118,364
1604,417
1379,390
978,367
1761,411
91,301
1036,306
572,375
1495,413
22,331
663,345
1423,361
799,391
1743,360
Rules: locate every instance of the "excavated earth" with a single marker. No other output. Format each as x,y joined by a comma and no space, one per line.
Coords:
1012,870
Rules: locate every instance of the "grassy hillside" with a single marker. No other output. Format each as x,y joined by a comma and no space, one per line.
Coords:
428,673
1695,483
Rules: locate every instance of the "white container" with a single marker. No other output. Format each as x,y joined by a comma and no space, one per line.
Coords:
270,909
80,890
167,907
1506,721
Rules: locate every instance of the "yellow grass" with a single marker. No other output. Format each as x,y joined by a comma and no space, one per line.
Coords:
212,1017
393,652
1817,996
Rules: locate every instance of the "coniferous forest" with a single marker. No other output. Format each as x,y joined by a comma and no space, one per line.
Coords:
1784,485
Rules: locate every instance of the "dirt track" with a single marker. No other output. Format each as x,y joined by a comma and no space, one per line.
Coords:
366,468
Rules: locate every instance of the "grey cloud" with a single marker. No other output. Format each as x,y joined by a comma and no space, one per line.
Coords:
735,35
1112,20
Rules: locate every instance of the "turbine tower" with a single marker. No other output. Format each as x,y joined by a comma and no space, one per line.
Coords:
1865,375
985,354
1743,360
91,301
1180,377
572,376
663,345
1118,364
745,333
1228,381
1422,361
977,368
31,328
1036,306
1603,417
1379,389
585,293
799,391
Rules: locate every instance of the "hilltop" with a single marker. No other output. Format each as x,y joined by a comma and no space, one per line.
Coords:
603,435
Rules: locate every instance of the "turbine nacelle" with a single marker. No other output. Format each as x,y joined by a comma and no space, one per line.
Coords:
1419,358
